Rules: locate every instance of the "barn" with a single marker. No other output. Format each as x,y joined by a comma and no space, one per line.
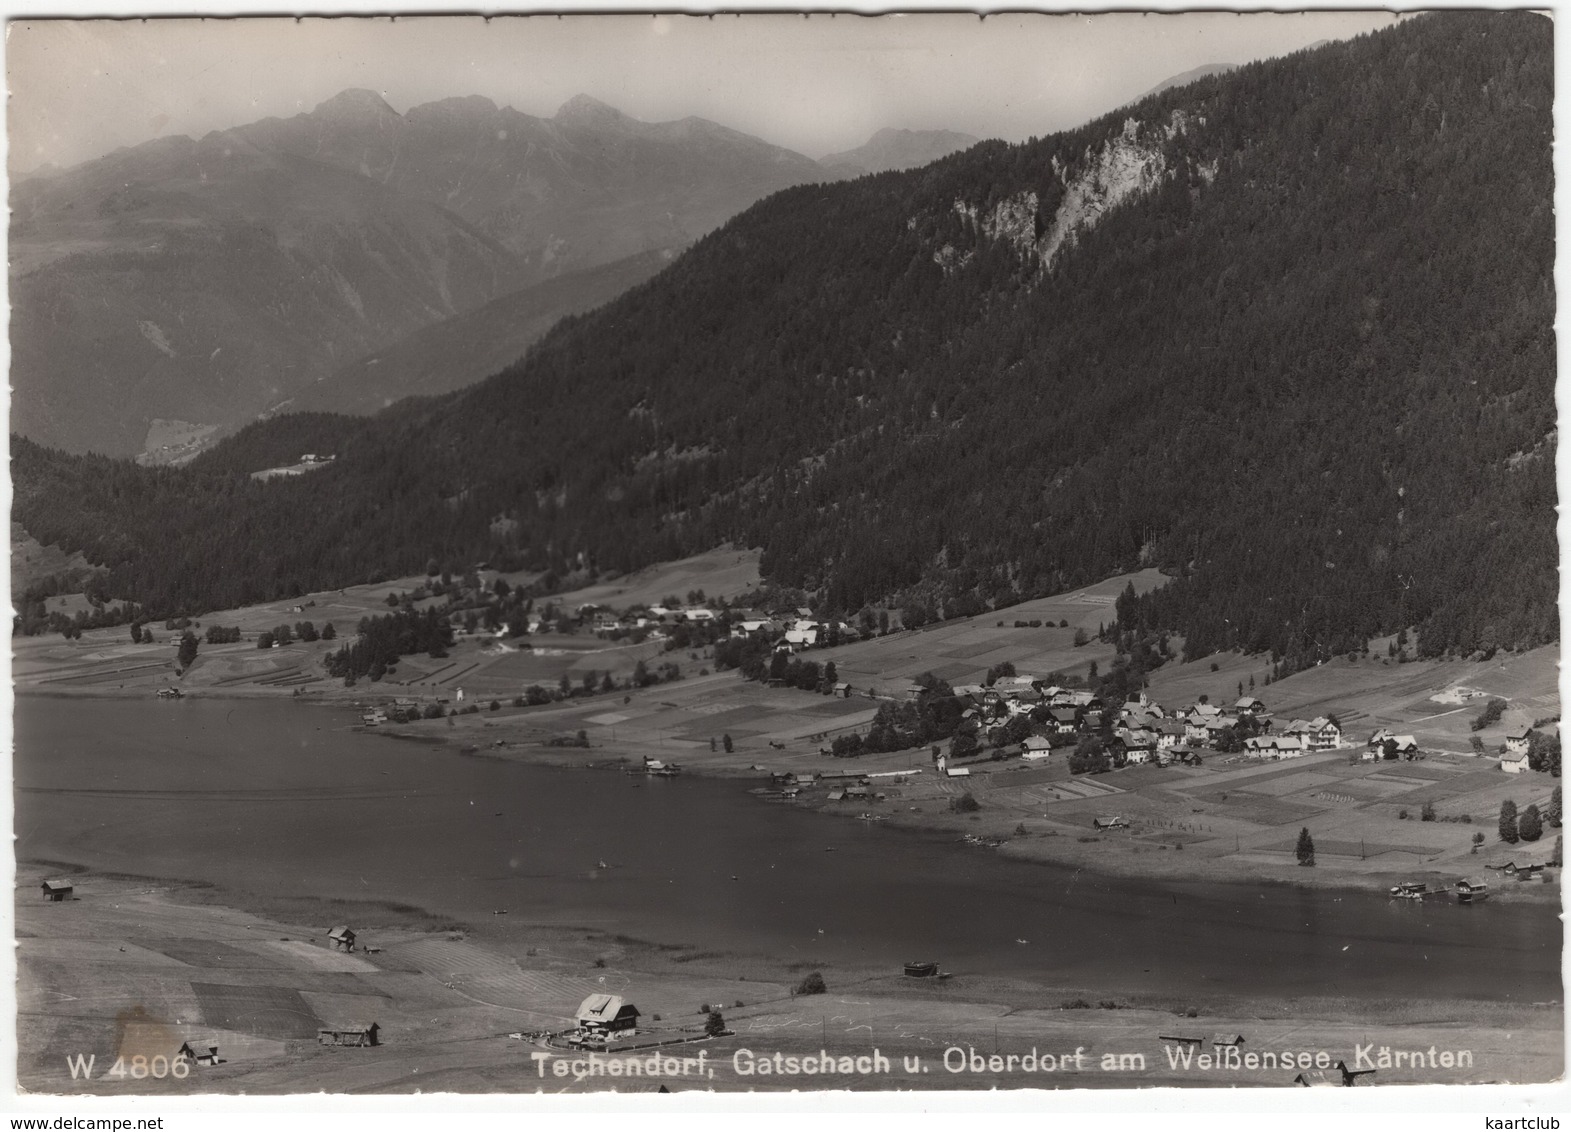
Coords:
607,1014
349,1034
200,1051
56,890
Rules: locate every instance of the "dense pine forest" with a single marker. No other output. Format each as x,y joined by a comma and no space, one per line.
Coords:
1306,367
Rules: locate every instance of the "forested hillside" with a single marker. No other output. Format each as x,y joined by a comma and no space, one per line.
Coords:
1286,333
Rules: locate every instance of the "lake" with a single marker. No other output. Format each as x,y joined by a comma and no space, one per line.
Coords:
281,798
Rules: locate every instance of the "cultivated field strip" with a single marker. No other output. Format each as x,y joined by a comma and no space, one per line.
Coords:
497,980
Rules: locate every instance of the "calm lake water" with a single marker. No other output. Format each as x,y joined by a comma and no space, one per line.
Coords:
279,798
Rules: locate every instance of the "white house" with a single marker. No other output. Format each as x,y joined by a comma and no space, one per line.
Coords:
1514,762
1035,747
1375,750
1277,746
1325,734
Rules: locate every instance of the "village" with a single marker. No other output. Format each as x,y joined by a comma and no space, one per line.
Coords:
1198,777
1375,757
1203,772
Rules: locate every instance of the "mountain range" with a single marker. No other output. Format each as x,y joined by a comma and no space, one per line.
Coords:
206,281
1285,333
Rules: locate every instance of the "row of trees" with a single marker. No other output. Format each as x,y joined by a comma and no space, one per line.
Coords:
1529,824
302,630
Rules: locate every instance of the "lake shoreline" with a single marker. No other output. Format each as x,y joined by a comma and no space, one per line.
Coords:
1514,1041
1052,849
1109,855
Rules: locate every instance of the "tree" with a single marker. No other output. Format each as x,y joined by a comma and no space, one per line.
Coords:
812,984
965,803
1389,750
565,685
1492,712
1080,637
1530,826
264,640
1014,731
1427,812
714,1025
725,741
711,744
136,632
1552,813
831,675
1089,757
1228,741
1557,859
1007,668
606,683
187,648
1543,751
1306,847
1507,827
328,632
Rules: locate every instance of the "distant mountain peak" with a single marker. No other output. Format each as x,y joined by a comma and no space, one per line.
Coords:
895,148
465,107
588,110
356,102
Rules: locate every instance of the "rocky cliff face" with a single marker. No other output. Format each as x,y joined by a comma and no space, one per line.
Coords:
1123,168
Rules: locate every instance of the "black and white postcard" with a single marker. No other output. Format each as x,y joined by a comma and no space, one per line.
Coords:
771,554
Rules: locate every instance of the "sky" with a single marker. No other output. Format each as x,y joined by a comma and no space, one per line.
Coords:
819,84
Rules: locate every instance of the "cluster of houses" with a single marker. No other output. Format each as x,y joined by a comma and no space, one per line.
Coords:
1139,730
1143,731
792,630
654,618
